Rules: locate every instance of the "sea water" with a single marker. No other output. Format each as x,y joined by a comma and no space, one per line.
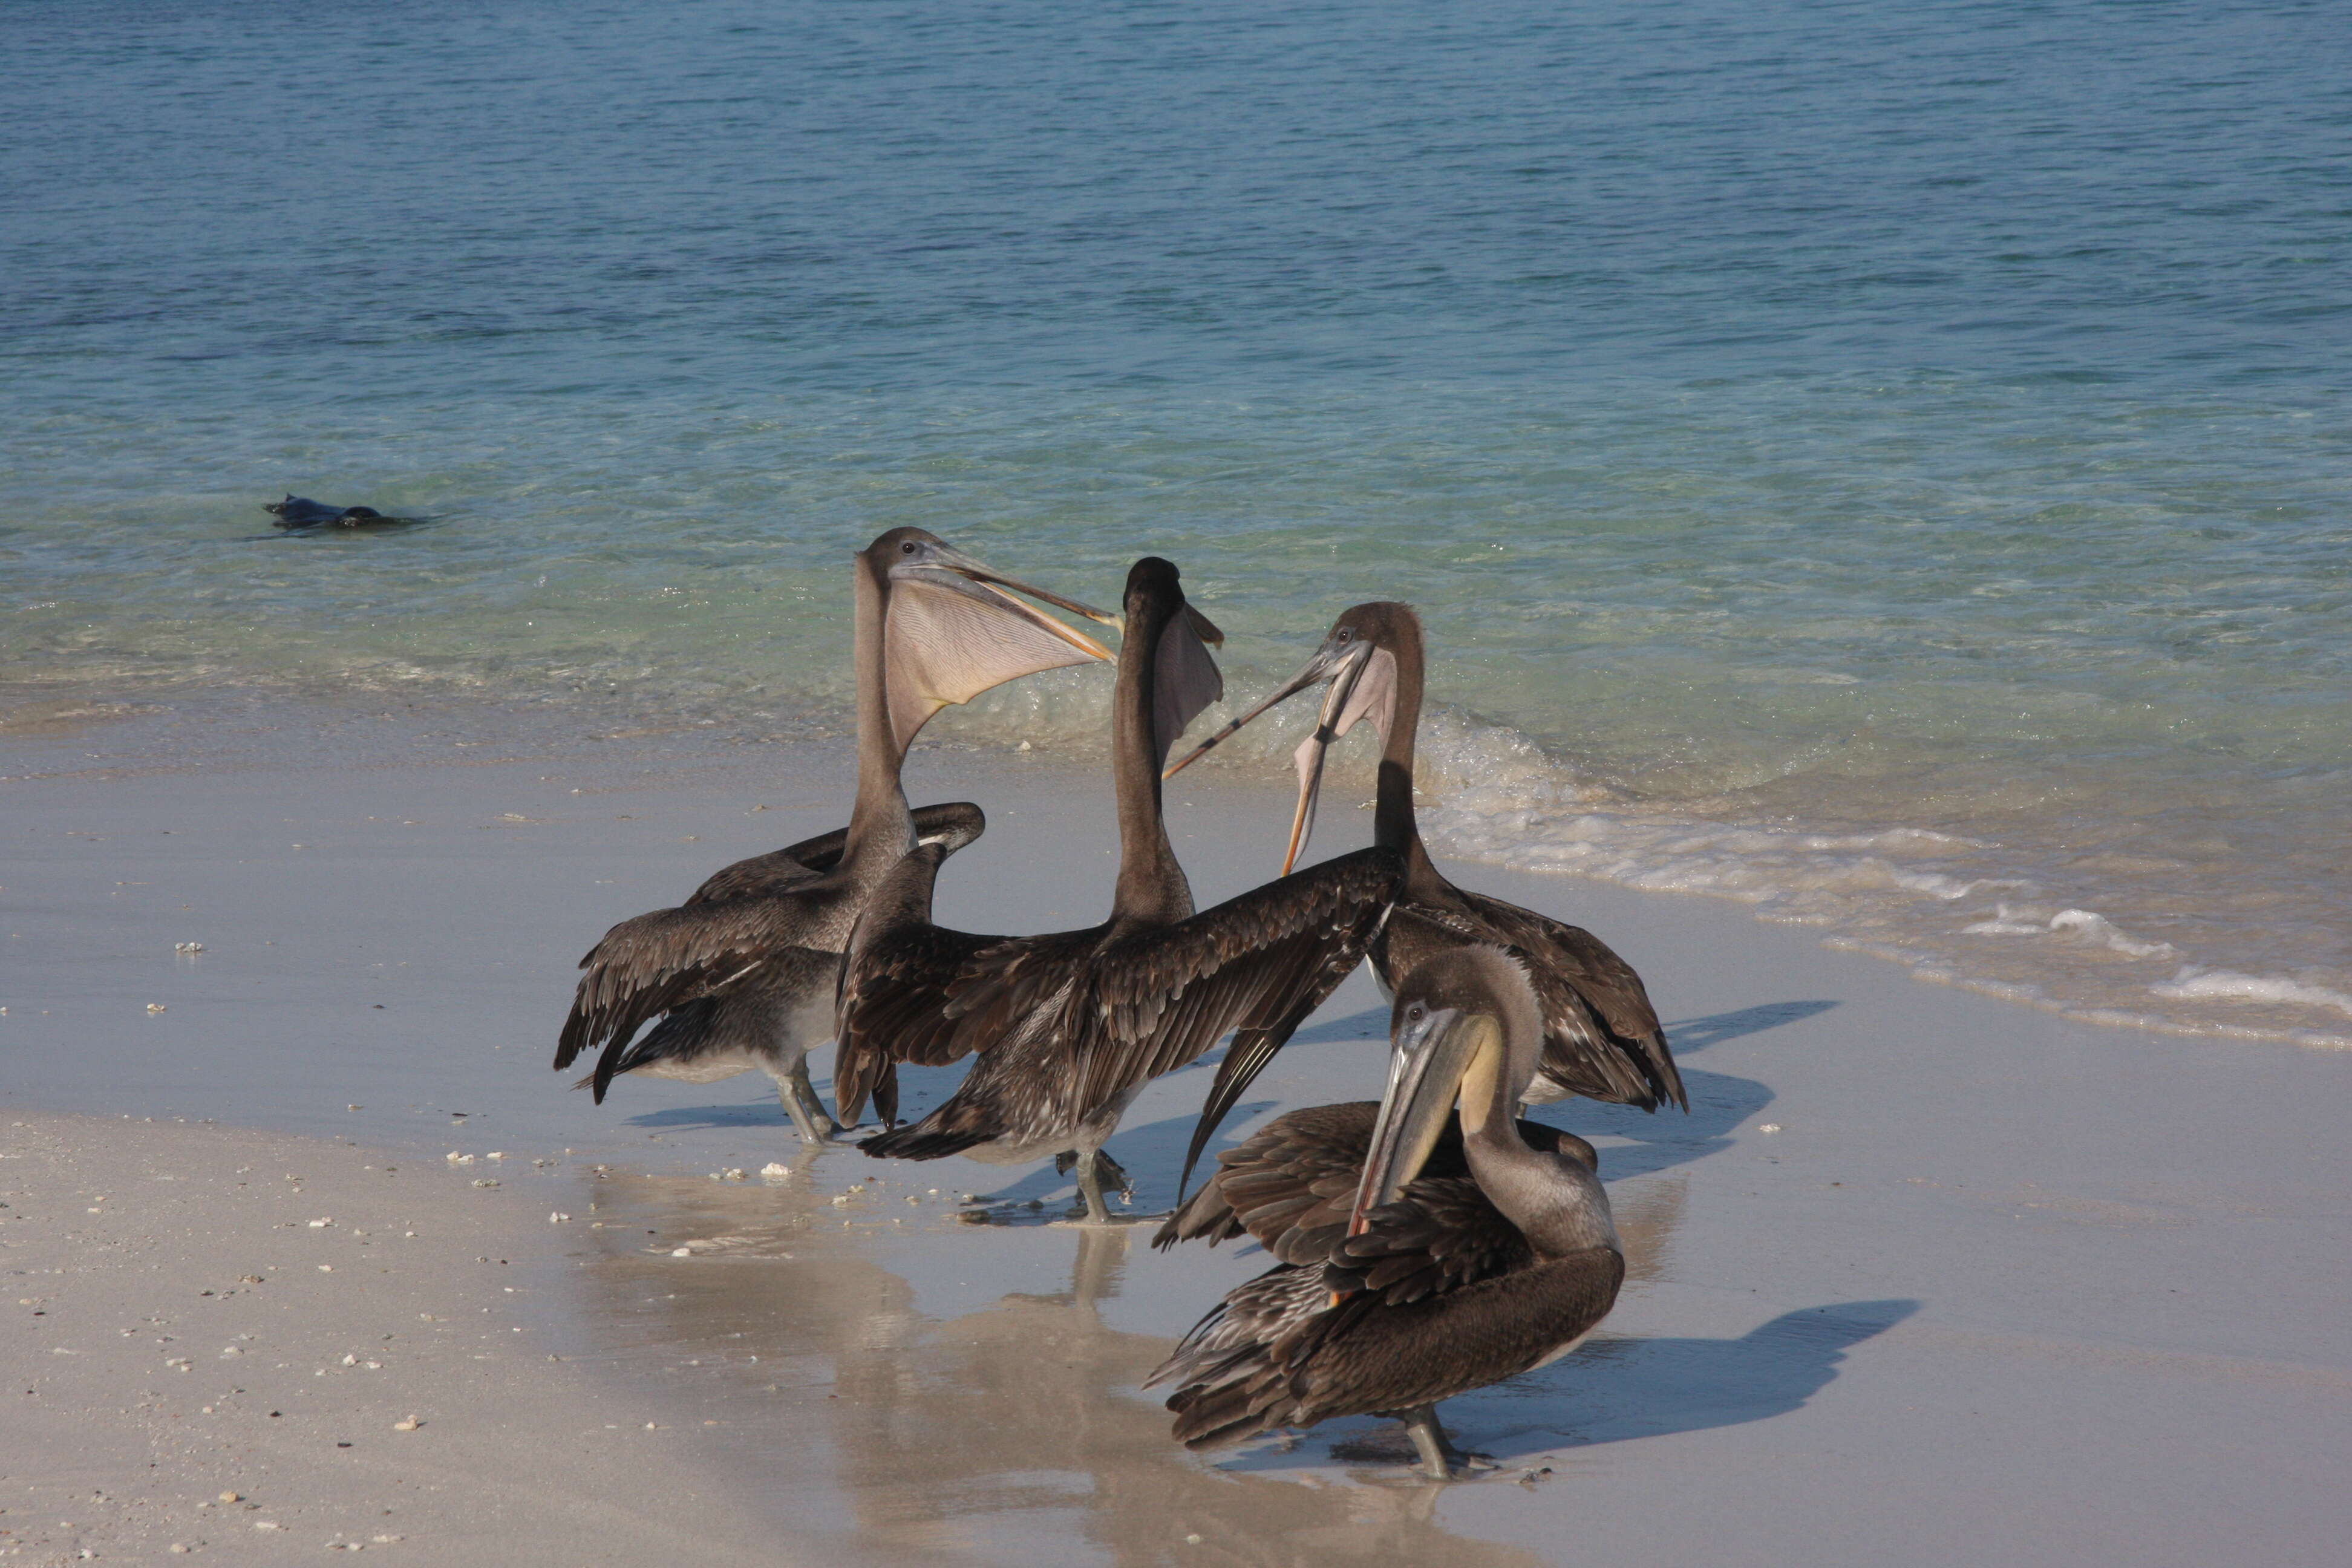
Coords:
1886,465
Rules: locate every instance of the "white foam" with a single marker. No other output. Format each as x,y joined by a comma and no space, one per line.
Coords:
2229,986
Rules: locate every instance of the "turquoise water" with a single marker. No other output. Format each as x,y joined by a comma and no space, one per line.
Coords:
1885,465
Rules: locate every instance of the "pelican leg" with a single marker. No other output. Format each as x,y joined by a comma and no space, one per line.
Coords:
1439,1457
810,1119
1090,1175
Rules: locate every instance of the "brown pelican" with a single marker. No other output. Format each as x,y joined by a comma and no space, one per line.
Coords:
745,969
1601,1037
1070,1027
1420,1258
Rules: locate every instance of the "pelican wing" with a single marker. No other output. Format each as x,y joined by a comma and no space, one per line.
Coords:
1258,963
1441,1234
893,1007
1601,1037
648,965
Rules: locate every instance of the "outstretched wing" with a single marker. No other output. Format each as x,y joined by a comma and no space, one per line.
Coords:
645,966
1601,1037
1257,964
893,1008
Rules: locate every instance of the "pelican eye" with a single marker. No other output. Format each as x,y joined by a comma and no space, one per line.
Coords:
1344,634
1416,1012
906,547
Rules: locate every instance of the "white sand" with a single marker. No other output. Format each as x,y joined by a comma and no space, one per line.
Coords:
2001,1289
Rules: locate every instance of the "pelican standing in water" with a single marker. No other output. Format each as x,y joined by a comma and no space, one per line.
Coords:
1601,1037
1422,1255
745,969
1070,1027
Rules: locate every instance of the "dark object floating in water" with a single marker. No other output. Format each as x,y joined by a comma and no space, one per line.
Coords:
295,512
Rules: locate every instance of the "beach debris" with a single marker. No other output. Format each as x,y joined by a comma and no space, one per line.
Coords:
266,1524
326,1268
187,947
558,1217
841,1201
681,1252
408,1423
1769,1127
484,1181
776,1171
154,1006
351,1360
496,1154
458,1159
322,1224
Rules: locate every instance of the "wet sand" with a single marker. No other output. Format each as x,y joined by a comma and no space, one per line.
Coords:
1923,1276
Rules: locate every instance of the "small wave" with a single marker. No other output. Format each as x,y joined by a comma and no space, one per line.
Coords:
2229,986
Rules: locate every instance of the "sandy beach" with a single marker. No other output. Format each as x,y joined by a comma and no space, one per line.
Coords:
1923,1276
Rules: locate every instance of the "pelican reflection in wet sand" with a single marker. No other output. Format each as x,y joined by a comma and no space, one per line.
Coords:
1423,1254
742,974
1069,1027
1602,1038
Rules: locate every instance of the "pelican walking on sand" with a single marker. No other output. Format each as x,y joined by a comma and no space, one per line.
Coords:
1422,1255
745,969
1601,1037
1070,1027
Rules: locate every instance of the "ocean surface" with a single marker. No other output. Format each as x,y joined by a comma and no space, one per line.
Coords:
1884,465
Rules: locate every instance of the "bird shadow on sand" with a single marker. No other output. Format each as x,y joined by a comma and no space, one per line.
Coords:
1621,1389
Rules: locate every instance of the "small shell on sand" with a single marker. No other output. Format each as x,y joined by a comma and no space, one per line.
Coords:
484,1181
1769,1127
458,1159
682,1252
557,1219
154,1006
776,1171
410,1424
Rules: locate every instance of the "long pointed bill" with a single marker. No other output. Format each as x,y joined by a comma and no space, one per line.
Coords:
1313,751
981,572
1326,663
1425,1074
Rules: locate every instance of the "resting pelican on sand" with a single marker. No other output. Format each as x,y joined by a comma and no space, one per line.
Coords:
1601,1037
1070,1027
1421,1258
745,969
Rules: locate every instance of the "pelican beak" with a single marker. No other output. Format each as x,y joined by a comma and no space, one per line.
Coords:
1431,1056
1328,660
954,569
1329,723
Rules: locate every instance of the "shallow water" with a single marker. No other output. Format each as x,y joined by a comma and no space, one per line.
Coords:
1884,468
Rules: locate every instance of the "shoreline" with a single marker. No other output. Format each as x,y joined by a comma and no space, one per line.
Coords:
1922,1274
1947,908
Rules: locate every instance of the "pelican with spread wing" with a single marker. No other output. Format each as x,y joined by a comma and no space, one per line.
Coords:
742,974
1068,1028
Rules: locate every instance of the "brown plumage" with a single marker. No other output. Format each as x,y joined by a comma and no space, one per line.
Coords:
1601,1037
1069,1026
1417,1260
744,969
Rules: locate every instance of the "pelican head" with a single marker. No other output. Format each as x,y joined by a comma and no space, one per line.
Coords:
1358,658
1463,1033
950,630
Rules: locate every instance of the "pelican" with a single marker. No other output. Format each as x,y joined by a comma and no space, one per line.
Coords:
1421,1256
744,970
1601,1037
1070,1027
